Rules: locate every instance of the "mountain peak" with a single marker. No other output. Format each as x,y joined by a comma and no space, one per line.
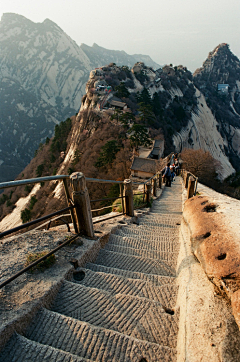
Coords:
11,18
220,50
221,65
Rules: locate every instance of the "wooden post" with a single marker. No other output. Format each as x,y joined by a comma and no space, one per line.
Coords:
191,186
195,188
128,200
149,193
160,180
81,199
155,187
122,200
187,175
69,204
144,191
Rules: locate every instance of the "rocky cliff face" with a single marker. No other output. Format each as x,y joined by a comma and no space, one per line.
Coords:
179,108
166,102
43,73
219,81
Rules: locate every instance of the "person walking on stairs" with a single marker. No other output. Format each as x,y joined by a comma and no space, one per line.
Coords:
168,174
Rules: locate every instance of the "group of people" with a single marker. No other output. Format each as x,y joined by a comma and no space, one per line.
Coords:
171,170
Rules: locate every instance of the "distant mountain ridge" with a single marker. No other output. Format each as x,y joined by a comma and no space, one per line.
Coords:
43,73
102,56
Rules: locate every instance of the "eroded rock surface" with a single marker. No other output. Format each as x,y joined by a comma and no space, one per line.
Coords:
216,245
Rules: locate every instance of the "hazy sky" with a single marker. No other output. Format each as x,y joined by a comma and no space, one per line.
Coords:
170,31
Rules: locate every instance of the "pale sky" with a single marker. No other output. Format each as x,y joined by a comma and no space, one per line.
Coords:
170,31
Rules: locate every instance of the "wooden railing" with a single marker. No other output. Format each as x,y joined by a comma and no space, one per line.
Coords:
190,182
79,205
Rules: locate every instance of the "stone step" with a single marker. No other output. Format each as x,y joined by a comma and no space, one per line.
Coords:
153,228
147,231
151,238
157,280
156,224
96,343
136,317
166,210
169,258
134,263
166,219
166,205
115,284
135,242
21,349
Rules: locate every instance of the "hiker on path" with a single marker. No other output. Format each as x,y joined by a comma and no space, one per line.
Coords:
167,175
172,169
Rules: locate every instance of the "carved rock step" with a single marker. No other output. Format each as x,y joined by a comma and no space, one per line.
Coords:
157,280
135,242
166,219
152,239
166,229
157,224
115,284
168,257
99,344
168,205
136,317
150,231
134,263
21,349
160,216
167,209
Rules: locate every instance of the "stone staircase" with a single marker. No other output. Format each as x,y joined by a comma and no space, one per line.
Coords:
120,308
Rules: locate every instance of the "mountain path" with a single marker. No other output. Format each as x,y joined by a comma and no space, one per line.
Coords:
120,308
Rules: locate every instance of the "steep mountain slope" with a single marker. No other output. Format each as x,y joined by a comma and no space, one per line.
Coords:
42,80
177,106
223,67
122,108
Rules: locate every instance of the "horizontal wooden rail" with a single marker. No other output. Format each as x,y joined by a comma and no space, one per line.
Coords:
102,208
36,221
4,185
108,198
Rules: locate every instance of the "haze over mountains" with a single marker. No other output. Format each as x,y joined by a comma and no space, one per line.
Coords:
42,80
43,74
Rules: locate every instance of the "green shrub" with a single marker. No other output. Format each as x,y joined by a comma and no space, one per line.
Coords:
31,258
70,170
108,153
3,198
28,188
25,215
137,203
32,202
52,158
39,170
61,133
